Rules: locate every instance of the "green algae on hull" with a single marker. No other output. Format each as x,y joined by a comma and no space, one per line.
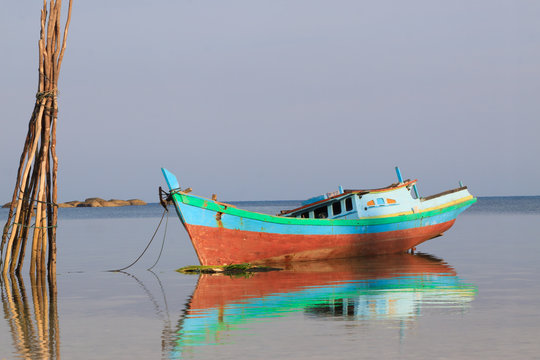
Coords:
225,269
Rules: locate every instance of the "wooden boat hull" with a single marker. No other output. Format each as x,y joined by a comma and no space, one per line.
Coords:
223,234
215,245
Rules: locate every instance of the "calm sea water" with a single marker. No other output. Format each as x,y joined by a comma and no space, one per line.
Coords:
473,293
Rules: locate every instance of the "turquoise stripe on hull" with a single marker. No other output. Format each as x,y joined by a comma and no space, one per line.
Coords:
203,217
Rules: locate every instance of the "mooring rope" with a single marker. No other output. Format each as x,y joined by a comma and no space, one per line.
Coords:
147,246
162,243
36,227
31,226
41,202
33,200
46,94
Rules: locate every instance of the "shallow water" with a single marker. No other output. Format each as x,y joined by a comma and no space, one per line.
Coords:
471,293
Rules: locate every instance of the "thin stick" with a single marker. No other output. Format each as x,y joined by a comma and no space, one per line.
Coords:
64,40
19,202
29,136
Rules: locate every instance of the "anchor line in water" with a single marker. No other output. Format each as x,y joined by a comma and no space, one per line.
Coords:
162,242
147,246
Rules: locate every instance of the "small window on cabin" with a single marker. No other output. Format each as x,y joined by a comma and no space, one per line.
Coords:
380,201
336,208
321,212
348,204
305,215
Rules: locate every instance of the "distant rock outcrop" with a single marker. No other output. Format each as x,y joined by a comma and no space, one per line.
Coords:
97,202
136,202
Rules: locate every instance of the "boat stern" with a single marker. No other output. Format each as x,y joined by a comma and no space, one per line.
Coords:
459,197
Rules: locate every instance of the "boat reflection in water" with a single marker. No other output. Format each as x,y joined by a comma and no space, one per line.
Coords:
394,287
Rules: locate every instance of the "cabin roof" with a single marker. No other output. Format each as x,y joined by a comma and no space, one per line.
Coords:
393,186
347,192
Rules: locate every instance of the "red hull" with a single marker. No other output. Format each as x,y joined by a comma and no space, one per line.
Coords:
221,246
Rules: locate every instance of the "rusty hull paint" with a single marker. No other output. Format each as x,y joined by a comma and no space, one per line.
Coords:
221,246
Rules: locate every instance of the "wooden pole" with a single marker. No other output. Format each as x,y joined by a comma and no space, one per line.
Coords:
36,181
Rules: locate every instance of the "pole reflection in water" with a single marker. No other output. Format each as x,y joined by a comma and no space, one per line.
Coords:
33,321
393,288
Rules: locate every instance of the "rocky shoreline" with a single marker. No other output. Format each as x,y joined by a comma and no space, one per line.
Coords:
97,202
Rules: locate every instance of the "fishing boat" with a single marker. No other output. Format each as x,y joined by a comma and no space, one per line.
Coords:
345,223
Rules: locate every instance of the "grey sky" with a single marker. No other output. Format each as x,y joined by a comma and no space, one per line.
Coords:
280,99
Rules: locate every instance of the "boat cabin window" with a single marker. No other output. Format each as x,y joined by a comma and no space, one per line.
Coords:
381,202
348,204
305,215
336,208
321,212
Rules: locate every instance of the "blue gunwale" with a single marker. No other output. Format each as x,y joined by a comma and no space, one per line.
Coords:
200,202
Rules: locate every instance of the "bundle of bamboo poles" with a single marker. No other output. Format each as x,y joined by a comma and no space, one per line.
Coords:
33,211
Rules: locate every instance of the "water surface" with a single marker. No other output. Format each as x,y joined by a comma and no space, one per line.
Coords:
469,294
